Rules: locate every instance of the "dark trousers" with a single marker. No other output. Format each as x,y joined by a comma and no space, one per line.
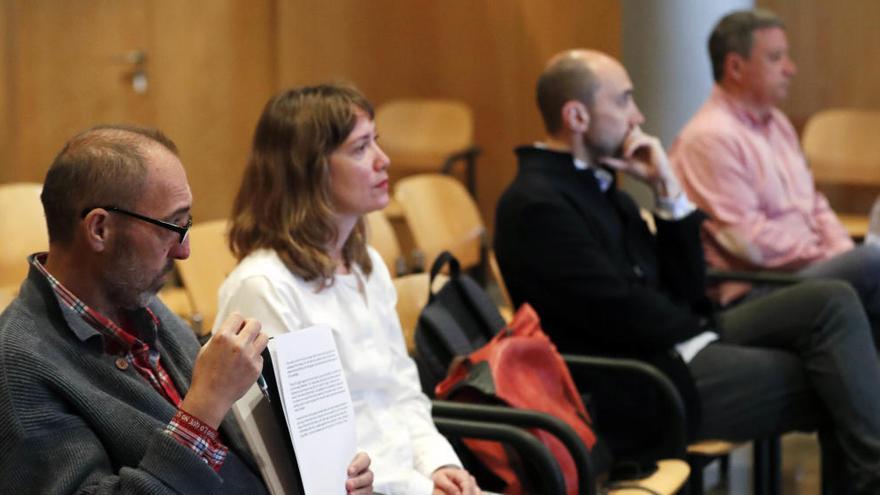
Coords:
860,267
799,358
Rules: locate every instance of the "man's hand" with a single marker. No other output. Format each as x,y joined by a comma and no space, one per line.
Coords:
226,367
360,478
454,481
643,157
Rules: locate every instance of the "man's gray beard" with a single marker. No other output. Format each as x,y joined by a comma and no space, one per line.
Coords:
127,287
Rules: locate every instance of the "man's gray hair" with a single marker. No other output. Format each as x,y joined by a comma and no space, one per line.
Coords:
102,166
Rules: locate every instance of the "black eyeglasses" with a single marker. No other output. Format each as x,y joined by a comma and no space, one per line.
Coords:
182,231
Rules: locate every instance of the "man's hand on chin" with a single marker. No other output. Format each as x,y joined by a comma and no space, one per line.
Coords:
643,157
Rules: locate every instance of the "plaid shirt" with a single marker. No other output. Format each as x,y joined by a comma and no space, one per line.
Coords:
183,427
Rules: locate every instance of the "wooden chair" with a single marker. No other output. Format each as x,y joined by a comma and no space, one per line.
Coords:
502,287
412,296
6,297
380,235
428,135
442,216
842,148
204,272
23,229
177,300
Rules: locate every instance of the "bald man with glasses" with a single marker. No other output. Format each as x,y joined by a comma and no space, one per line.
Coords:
102,388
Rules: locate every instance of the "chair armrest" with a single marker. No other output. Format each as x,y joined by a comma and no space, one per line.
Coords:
527,419
466,154
530,448
585,368
763,277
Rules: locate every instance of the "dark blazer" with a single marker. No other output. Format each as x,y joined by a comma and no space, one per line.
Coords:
601,282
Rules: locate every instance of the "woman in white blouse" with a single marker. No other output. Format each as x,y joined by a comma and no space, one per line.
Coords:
298,231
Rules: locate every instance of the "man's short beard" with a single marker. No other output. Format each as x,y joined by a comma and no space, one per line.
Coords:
126,284
598,151
128,289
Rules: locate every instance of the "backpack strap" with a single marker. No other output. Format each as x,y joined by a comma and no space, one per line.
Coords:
442,260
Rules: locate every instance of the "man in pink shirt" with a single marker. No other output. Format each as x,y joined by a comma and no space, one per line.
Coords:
740,161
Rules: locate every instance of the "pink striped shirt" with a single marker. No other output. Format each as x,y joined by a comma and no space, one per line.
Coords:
749,174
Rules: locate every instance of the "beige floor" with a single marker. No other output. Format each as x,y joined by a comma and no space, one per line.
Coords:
800,469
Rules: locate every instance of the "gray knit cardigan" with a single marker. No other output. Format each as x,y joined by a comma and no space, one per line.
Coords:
71,421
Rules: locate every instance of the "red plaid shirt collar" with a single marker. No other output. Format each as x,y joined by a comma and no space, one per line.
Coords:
116,339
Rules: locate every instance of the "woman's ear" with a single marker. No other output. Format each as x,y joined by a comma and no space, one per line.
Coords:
575,116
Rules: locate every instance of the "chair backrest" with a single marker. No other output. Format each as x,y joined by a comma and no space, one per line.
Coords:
412,295
842,146
22,228
442,216
502,287
380,234
6,297
419,134
204,272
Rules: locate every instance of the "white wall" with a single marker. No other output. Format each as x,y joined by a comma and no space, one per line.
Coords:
665,50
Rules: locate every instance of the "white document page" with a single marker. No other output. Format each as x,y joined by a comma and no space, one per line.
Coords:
317,405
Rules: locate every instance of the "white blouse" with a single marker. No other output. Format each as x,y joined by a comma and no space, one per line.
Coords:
393,416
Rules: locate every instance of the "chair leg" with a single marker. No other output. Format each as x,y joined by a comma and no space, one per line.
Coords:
694,486
724,468
767,466
775,466
759,467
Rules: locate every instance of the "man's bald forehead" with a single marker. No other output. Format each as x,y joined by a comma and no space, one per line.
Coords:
141,138
592,59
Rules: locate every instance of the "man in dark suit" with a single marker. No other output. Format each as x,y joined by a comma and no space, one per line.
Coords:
577,249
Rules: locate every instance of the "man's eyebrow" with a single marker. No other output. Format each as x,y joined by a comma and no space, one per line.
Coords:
179,211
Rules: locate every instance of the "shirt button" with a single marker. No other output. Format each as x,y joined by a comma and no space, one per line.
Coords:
122,363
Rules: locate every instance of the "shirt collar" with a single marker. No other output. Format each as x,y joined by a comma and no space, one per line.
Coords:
115,338
742,112
603,177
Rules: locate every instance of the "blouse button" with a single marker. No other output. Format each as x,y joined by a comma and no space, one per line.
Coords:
122,363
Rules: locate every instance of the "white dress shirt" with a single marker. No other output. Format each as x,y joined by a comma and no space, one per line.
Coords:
393,416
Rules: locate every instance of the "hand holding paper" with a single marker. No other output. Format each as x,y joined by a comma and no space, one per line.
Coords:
318,418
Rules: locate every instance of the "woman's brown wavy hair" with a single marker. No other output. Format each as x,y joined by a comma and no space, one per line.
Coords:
284,203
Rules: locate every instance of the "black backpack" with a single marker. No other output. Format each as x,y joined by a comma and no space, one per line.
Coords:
457,320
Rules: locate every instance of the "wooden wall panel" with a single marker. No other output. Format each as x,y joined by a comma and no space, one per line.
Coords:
210,67
6,158
66,74
484,52
835,46
214,71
